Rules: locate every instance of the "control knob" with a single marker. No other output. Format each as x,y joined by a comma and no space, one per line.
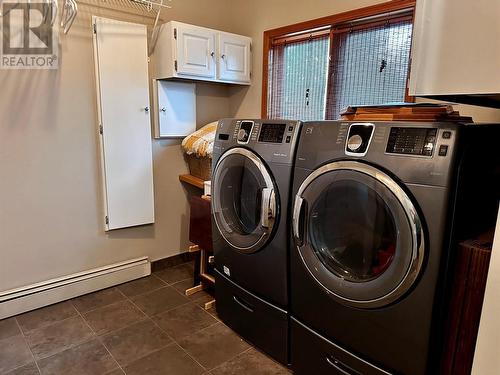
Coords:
242,135
354,143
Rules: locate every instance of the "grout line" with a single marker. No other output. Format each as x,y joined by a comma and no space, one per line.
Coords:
151,318
144,318
230,359
250,346
70,346
164,285
146,293
123,294
96,308
164,311
156,325
29,332
177,266
28,345
190,356
156,277
174,341
100,341
24,333
203,329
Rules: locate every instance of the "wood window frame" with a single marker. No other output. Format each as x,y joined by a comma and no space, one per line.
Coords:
333,21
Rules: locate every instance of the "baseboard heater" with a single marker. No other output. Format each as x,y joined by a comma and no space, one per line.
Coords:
34,296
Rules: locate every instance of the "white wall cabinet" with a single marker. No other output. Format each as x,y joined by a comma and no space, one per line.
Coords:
199,53
195,50
456,48
234,53
174,108
121,70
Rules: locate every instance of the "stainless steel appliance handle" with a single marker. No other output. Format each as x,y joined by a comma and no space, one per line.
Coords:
268,207
297,209
340,367
243,304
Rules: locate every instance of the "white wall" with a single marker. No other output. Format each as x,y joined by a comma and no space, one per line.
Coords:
51,218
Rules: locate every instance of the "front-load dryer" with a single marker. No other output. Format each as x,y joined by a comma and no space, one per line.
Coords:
373,218
251,184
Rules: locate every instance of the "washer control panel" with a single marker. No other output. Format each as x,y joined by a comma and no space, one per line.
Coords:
273,140
272,133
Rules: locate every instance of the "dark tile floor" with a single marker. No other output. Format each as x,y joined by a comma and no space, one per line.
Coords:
146,326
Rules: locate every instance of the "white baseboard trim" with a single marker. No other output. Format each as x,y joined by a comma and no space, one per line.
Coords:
30,297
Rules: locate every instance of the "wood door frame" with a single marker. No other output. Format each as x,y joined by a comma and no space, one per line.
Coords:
336,19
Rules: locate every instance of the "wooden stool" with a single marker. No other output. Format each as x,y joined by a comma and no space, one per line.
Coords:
200,233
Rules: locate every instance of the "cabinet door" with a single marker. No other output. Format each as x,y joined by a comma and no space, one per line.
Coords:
455,48
234,54
174,108
121,68
195,51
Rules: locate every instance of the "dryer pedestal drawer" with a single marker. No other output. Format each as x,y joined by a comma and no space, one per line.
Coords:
313,354
257,321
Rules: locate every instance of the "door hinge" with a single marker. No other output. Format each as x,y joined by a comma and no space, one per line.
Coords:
106,219
95,28
175,33
100,129
175,65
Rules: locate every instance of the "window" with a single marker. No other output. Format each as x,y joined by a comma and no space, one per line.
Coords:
297,78
315,69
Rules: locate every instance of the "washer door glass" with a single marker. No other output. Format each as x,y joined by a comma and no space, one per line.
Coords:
243,200
360,237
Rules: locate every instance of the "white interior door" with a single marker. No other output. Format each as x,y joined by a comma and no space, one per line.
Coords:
175,108
234,54
195,51
120,52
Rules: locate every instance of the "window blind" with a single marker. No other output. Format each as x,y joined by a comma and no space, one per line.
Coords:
298,78
314,75
369,66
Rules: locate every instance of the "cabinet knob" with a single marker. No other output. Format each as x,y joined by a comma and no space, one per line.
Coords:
212,54
223,56
146,109
163,109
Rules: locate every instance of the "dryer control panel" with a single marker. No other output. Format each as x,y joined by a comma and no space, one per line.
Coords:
416,152
412,141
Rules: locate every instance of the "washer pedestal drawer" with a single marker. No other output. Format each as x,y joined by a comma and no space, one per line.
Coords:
313,354
257,321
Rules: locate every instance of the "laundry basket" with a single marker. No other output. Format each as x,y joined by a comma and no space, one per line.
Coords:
200,167
198,148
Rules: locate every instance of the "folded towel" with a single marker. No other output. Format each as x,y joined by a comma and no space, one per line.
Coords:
201,142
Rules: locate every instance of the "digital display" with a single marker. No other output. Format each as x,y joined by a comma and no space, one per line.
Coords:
412,141
272,133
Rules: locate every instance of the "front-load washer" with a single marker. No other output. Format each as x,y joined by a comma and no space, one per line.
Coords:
375,215
251,184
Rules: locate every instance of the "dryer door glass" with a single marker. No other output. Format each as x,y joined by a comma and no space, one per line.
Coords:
362,238
243,200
